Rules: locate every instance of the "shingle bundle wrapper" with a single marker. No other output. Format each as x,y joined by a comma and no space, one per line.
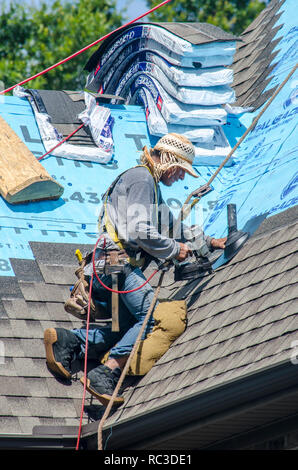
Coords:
59,112
178,72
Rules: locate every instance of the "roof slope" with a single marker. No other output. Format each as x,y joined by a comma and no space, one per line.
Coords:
241,320
254,57
195,33
31,302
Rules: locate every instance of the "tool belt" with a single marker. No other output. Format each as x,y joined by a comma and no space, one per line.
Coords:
77,304
110,262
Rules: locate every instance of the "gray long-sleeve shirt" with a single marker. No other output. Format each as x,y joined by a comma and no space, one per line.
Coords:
141,218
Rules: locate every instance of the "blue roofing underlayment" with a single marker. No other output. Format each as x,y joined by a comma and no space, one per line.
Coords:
262,180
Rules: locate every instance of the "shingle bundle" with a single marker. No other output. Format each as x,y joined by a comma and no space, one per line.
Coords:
178,72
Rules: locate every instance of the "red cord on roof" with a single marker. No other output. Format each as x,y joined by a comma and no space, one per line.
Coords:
40,158
82,50
87,327
85,366
88,321
61,142
108,288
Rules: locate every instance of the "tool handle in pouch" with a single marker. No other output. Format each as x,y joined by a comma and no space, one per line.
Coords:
79,256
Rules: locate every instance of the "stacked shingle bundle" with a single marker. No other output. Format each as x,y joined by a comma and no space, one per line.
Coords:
178,72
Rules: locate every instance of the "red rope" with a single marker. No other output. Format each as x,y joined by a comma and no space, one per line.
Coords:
87,329
85,366
82,50
86,357
113,290
61,142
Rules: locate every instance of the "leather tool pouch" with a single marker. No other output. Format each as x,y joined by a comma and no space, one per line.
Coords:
77,304
107,262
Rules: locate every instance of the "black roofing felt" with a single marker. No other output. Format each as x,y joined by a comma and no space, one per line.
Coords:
63,107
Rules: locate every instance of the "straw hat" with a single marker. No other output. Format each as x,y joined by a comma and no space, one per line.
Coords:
180,148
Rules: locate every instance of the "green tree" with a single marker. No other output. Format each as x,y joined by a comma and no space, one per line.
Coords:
231,15
34,38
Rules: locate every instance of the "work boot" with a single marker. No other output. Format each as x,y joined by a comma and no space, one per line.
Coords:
61,346
101,383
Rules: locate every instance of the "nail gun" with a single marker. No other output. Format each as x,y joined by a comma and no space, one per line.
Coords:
190,269
204,263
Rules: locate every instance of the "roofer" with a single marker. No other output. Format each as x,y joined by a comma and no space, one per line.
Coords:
130,223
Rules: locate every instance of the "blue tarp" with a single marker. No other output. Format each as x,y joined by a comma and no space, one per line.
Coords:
72,218
264,177
262,181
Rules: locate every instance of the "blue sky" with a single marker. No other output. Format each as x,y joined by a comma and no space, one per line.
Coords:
134,7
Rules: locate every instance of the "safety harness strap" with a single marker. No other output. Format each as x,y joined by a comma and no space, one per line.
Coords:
110,229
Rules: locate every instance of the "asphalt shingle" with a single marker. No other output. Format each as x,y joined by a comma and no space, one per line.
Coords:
242,318
234,327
